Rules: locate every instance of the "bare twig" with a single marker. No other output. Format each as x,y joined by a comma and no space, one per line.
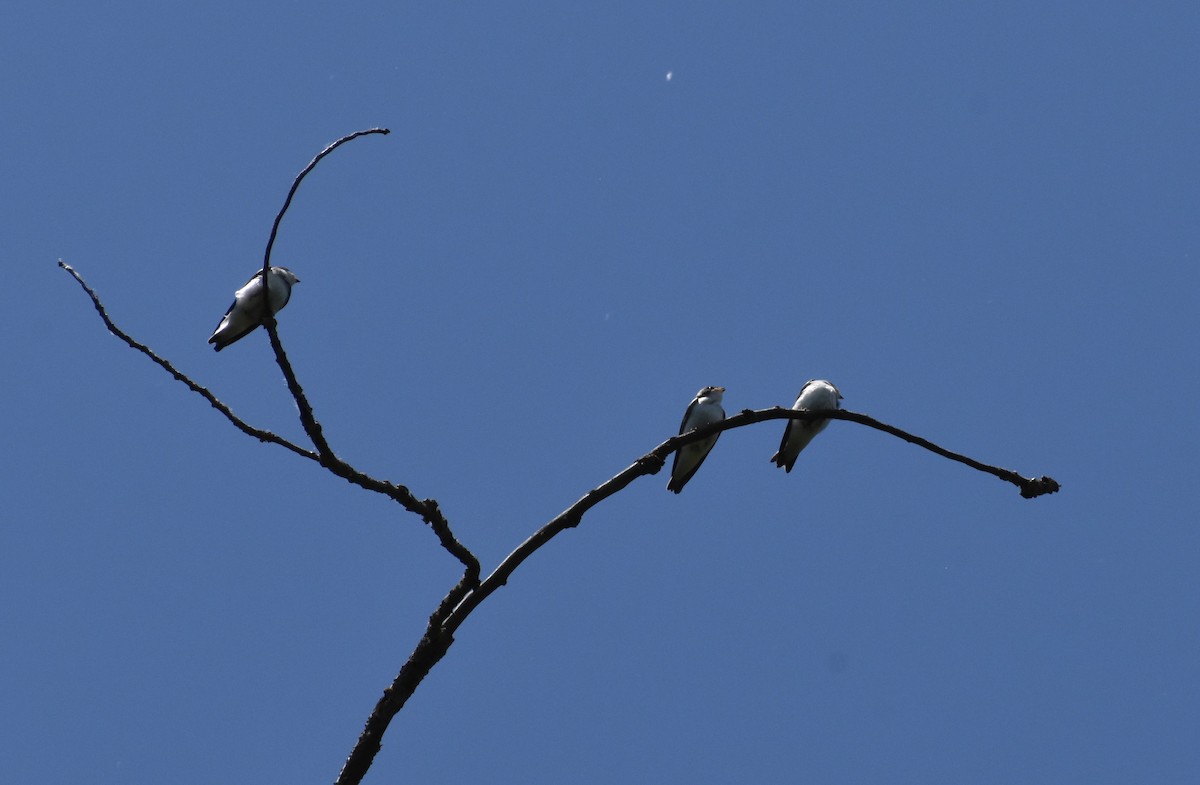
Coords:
308,419
239,423
296,185
1030,487
311,426
428,509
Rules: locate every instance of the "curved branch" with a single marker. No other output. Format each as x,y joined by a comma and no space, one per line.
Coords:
464,599
239,423
307,418
296,185
650,463
653,461
1030,487
428,509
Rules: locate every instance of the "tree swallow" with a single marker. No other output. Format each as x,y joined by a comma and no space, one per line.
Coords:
246,313
704,409
815,395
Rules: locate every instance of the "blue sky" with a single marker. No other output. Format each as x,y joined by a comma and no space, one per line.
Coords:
978,221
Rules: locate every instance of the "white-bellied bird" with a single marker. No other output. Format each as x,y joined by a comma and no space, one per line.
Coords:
815,395
704,409
246,313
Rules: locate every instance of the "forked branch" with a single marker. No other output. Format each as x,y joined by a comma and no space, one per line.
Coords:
428,509
439,633
471,591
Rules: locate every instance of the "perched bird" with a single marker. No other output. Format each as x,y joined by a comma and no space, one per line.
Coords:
246,313
704,409
815,395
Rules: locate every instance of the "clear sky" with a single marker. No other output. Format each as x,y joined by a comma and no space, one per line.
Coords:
978,220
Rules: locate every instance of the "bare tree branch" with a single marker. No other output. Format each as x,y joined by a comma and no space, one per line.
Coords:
307,418
296,185
653,461
428,509
1030,487
439,633
470,592
429,651
239,423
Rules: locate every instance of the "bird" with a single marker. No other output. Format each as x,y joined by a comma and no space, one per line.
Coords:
816,394
704,409
246,312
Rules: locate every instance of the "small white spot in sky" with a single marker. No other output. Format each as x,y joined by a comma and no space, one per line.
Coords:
669,75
